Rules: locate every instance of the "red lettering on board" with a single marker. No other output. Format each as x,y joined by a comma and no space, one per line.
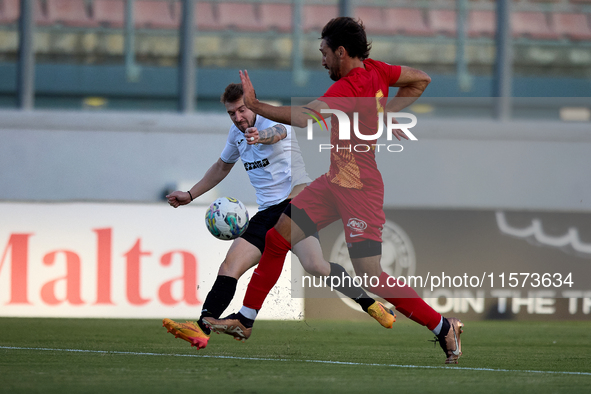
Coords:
72,279
19,247
133,257
15,257
103,265
189,280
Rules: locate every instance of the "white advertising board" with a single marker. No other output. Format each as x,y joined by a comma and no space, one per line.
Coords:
116,261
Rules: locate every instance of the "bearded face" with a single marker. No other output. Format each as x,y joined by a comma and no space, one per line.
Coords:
330,61
242,117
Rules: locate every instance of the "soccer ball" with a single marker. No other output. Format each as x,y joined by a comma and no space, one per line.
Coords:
226,218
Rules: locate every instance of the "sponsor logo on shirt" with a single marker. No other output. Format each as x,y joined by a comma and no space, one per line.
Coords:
356,225
256,164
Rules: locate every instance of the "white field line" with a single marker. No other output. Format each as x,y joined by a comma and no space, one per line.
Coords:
296,361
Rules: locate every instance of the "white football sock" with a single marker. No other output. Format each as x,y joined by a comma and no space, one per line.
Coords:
437,329
251,314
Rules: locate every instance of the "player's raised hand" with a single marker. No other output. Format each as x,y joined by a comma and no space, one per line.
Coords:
178,198
398,132
252,135
249,94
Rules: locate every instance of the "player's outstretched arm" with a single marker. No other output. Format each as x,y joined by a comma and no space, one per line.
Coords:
411,84
216,173
270,135
295,116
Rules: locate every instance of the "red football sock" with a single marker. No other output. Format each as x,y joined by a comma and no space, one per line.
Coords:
407,302
267,273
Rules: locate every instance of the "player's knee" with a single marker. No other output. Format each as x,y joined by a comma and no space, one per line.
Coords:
227,269
316,267
234,268
283,227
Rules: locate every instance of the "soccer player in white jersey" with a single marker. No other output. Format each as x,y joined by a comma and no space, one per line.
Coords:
272,160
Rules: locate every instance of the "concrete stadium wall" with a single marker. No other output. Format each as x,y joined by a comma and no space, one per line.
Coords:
136,157
115,157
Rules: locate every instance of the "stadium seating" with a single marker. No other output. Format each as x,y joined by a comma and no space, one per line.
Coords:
269,16
481,24
315,16
9,12
68,13
151,14
443,22
109,13
239,16
373,19
205,17
276,17
407,21
572,26
39,14
531,25
155,14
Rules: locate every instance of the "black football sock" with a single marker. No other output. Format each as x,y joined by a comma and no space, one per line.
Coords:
445,326
218,299
246,322
347,287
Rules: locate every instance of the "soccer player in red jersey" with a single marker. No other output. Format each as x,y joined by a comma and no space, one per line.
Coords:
352,190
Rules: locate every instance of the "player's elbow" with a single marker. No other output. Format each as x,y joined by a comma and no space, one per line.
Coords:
299,121
423,81
417,88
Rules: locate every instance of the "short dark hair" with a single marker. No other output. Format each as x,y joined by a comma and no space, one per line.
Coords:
348,33
232,93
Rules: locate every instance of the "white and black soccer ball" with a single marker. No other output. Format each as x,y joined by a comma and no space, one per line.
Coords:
226,218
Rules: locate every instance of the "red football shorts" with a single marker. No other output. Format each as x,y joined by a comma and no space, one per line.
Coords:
361,211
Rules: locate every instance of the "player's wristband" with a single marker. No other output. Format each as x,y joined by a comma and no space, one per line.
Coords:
188,191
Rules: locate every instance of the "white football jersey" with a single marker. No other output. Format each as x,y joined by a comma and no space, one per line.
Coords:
273,169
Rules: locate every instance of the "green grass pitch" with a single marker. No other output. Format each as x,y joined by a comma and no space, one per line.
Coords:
139,356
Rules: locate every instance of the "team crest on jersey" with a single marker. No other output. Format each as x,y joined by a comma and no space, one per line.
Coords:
356,224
